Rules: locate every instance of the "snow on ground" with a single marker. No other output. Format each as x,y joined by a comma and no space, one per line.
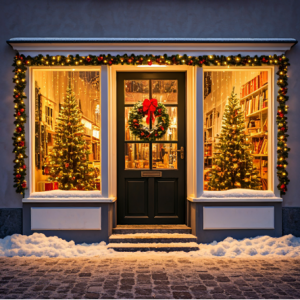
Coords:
39,245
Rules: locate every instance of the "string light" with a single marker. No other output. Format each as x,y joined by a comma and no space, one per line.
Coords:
21,63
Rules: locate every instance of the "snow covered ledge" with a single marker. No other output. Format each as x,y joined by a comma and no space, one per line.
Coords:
237,195
68,196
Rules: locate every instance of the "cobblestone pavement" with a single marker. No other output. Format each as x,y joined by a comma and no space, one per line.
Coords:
149,277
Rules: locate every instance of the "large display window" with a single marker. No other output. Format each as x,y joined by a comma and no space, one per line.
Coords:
237,107
67,130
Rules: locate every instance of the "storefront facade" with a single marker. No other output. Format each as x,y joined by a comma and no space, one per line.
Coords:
165,180
175,177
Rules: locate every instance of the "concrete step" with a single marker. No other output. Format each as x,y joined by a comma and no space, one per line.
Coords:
143,247
152,238
127,229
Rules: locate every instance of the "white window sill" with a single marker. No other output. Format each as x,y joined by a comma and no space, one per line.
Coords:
68,196
237,195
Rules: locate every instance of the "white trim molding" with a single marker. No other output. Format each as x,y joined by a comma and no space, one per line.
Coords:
65,218
114,46
238,217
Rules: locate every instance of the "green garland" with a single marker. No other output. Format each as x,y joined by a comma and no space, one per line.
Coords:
21,63
144,133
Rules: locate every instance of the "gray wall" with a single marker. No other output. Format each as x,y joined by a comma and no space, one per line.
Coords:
162,18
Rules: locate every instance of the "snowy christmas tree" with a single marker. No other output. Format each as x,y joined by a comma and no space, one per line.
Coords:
232,165
68,162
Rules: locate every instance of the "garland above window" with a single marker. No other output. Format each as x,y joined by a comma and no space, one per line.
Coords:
21,63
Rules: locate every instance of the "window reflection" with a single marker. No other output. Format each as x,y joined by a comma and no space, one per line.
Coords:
136,90
164,156
136,156
165,91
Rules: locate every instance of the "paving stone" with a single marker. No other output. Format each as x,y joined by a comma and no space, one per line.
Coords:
155,278
182,295
91,295
206,276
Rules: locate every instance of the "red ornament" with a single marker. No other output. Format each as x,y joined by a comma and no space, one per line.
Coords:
24,167
100,58
88,59
18,176
18,113
159,111
22,144
279,166
129,60
283,187
110,62
67,165
19,129
156,134
24,184
161,128
282,128
134,120
22,110
142,133
16,96
281,115
150,63
149,107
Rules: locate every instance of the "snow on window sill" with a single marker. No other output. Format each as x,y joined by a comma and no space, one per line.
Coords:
237,195
67,196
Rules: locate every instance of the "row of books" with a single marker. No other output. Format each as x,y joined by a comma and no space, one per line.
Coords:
209,121
254,84
257,103
260,146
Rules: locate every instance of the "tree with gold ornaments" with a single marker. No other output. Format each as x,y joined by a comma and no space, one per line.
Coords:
68,162
232,162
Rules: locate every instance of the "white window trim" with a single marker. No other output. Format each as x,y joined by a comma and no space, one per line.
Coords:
270,195
194,147
64,196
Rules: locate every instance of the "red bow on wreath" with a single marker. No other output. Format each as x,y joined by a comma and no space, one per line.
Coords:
149,107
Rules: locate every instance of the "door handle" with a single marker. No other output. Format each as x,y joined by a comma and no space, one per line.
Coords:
181,152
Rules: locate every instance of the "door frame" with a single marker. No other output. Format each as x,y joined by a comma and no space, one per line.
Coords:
150,214
192,186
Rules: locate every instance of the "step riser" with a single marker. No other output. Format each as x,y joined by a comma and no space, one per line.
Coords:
129,231
168,240
161,249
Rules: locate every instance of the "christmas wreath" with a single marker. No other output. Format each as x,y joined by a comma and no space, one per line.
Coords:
153,111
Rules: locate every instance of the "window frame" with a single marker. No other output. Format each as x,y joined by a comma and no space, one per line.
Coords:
30,125
272,133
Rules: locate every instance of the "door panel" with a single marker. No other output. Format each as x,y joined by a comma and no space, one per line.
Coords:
151,199
166,197
136,197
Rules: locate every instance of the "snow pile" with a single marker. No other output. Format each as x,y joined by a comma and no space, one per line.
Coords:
39,245
287,245
238,193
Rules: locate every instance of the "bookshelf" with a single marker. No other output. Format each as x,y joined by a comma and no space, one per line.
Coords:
209,134
255,105
258,91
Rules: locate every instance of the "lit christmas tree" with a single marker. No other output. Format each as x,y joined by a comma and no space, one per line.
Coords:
68,162
232,161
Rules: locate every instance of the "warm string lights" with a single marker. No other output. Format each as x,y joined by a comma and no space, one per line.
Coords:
21,63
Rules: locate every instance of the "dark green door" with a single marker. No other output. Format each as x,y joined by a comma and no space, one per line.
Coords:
151,175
